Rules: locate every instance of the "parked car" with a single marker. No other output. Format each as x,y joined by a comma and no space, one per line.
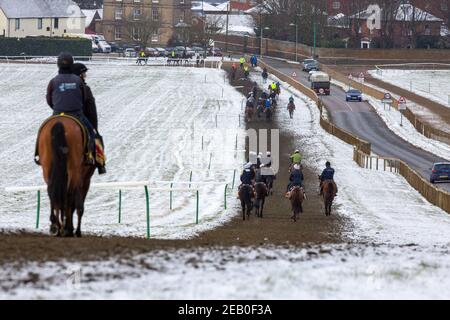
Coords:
353,95
115,47
102,44
151,52
199,50
161,52
440,172
215,52
130,53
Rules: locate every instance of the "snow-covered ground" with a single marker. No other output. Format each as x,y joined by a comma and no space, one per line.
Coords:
382,206
152,120
326,272
431,84
403,128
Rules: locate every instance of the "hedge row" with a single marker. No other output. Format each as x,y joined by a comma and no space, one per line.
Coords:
44,46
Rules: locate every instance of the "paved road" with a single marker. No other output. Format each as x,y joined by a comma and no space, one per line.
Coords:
360,119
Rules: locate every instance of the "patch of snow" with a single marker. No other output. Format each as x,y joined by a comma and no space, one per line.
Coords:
152,120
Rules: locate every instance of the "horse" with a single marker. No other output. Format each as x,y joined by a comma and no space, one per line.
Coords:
61,155
297,195
328,189
246,195
269,183
268,113
248,113
261,193
291,108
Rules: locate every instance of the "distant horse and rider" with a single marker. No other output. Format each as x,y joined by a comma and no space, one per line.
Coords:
69,147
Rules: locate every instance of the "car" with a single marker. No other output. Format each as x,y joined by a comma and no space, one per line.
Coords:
353,95
440,172
115,47
306,62
161,52
215,52
311,66
199,50
151,52
130,53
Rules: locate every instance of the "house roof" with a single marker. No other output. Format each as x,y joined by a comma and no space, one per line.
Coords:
90,15
40,9
405,12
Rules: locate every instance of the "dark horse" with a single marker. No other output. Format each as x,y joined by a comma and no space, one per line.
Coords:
297,195
328,194
269,183
291,108
269,113
61,155
261,193
246,195
249,111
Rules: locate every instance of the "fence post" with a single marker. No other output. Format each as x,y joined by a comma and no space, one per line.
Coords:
234,178
216,120
147,200
120,206
236,146
190,180
225,197
202,142
196,214
210,159
171,196
38,213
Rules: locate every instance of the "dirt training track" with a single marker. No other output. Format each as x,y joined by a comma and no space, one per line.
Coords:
276,227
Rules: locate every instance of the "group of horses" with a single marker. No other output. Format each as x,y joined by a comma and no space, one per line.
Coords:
253,103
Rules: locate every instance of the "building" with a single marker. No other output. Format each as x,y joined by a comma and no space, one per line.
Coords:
407,24
172,18
89,4
50,18
242,5
93,17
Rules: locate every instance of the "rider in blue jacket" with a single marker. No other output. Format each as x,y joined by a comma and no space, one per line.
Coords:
248,175
296,178
327,173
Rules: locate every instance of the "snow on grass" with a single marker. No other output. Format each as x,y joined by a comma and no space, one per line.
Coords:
326,272
403,128
152,120
383,207
431,84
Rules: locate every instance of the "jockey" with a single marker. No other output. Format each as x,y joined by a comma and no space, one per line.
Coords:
90,110
255,90
66,94
248,175
291,99
268,104
296,158
296,178
273,87
265,75
259,161
327,174
264,95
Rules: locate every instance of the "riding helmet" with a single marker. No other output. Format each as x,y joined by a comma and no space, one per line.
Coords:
328,164
65,61
79,68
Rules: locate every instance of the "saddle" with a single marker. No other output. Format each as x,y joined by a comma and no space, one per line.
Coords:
84,131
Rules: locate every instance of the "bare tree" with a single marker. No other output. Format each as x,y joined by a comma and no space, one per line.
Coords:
205,28
141,28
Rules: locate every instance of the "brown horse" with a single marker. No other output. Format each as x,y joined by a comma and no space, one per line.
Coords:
261,193
249,111
297,196
246,195
328,189
61,155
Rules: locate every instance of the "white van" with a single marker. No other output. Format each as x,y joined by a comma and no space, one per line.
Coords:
321,82
103,46
95,48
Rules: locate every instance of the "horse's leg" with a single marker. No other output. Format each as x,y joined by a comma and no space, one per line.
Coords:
262,207
243,210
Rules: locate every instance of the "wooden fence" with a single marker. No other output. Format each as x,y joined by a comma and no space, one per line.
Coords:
434,195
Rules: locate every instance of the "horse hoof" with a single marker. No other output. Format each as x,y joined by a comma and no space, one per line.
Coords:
78,234
54,230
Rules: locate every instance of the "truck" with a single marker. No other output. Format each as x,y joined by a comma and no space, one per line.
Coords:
321,83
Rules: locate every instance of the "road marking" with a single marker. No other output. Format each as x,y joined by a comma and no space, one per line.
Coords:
349,106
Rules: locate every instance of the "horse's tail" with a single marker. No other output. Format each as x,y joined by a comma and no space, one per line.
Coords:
57,186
